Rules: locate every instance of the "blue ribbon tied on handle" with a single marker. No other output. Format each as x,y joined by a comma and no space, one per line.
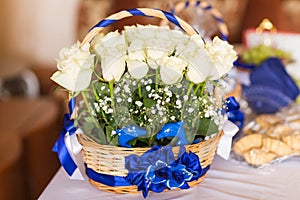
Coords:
60,146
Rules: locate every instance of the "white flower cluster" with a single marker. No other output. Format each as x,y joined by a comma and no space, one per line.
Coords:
209,109
160,98
174,53
141,48
75,67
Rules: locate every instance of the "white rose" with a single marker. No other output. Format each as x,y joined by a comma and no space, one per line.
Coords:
200,64
111,49
136,59
137,69
171,69
75,67
223,55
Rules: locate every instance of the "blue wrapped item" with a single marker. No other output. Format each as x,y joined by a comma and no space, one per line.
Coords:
271,87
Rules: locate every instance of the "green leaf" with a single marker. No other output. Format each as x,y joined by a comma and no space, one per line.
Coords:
108,130
114,141
207,127
88,125
101,135
148,103
132,142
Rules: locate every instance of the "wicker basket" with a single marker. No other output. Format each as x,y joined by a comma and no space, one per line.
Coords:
110,160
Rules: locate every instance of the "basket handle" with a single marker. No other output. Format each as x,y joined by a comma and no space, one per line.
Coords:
180,6
147,12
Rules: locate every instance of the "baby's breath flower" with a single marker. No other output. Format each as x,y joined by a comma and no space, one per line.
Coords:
139,103
148,87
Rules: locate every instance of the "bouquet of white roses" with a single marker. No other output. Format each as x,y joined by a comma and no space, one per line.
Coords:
146,87
147,77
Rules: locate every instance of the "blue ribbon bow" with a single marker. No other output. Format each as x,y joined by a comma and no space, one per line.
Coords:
129,133
60,146
233,112
157,169
174,129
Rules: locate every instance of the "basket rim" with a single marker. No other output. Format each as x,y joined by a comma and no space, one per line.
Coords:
147,12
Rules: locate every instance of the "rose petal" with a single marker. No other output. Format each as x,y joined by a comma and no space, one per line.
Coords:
71,82
137,69
171,69
112,51
113,69
223,56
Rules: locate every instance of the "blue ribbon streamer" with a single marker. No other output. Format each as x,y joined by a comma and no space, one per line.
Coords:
233,112
105,179
116,181
60,146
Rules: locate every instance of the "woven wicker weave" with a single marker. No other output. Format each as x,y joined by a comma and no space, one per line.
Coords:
110,160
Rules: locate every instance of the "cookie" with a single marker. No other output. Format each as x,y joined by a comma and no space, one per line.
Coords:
276,146
279,131
248,142
258,157
266,121
292,141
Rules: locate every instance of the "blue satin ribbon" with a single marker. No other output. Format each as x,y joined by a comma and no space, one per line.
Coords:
136,12
233,112
105,179
116,181
131,132
128,133
60,146
173,129
155,170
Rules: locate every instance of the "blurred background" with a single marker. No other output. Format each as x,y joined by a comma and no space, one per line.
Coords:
32,32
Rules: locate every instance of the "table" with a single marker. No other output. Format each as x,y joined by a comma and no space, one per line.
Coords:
226,180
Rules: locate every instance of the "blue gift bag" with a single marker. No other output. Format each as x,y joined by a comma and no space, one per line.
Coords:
271,87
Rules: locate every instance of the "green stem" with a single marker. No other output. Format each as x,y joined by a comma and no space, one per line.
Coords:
202,89
99,77
96,72
190,89
156,80
95,92
140,90
184,103
89,109
197,88
111,91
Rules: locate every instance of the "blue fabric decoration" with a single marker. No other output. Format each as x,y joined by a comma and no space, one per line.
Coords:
173,130
157,169
129,133
271,87
60,146
105,179
233,112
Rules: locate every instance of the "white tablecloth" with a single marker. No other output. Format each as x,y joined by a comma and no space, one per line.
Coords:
225,180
